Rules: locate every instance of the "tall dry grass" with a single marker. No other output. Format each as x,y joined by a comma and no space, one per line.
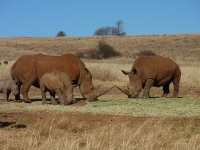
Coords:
176,46
64,134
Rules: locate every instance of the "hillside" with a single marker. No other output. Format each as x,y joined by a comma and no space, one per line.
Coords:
181,47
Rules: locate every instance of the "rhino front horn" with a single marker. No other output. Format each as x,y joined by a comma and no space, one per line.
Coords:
123,90
97,92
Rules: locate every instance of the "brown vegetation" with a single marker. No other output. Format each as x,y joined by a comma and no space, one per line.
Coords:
86,131
181,47
146,53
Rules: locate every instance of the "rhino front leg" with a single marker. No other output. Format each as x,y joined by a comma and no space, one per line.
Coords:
53,100
69,95
148,85
60,96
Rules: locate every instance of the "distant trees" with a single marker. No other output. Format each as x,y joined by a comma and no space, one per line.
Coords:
113,30
60,34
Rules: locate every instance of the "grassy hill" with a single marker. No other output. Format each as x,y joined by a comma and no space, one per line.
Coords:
114,122
184,47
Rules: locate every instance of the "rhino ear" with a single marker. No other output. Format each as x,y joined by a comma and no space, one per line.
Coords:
125,72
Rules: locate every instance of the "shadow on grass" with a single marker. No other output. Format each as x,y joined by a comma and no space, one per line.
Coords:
156,97
4,124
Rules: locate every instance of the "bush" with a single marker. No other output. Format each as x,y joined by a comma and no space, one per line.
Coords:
60,34
105,50
102,51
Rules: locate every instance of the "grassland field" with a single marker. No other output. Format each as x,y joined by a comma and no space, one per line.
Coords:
114,122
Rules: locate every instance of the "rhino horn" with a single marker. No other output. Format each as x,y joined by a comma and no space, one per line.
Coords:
97,92
123,90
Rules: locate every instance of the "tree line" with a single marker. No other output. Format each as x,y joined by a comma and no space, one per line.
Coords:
117,29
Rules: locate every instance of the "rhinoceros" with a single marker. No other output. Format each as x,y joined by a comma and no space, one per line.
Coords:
148,71
8,86
28,69
57,83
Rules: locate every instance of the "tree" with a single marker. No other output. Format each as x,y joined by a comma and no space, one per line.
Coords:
113,30
119,26
103,31
60,34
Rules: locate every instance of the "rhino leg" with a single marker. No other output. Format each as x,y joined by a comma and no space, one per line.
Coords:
148,85
43,93
53,100
60,96
17,96
25,89
8,94
176,87
165,90
69,96
44,98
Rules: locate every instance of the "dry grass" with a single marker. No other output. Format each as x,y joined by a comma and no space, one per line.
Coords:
112,133
5,70
181,47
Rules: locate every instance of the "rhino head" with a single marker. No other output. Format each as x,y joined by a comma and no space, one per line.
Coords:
87,88
134,85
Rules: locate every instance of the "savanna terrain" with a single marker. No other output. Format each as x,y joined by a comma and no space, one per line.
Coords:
114,122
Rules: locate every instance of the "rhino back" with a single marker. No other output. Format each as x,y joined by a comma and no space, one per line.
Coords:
69,64
23,68
158,68
34,66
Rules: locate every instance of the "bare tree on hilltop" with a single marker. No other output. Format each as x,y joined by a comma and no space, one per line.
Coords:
113,30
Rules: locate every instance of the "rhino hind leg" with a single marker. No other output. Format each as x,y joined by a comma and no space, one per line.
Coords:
8,94
44,98
25,88
148,85
43,93
176,87
17,96
165,90
70,95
